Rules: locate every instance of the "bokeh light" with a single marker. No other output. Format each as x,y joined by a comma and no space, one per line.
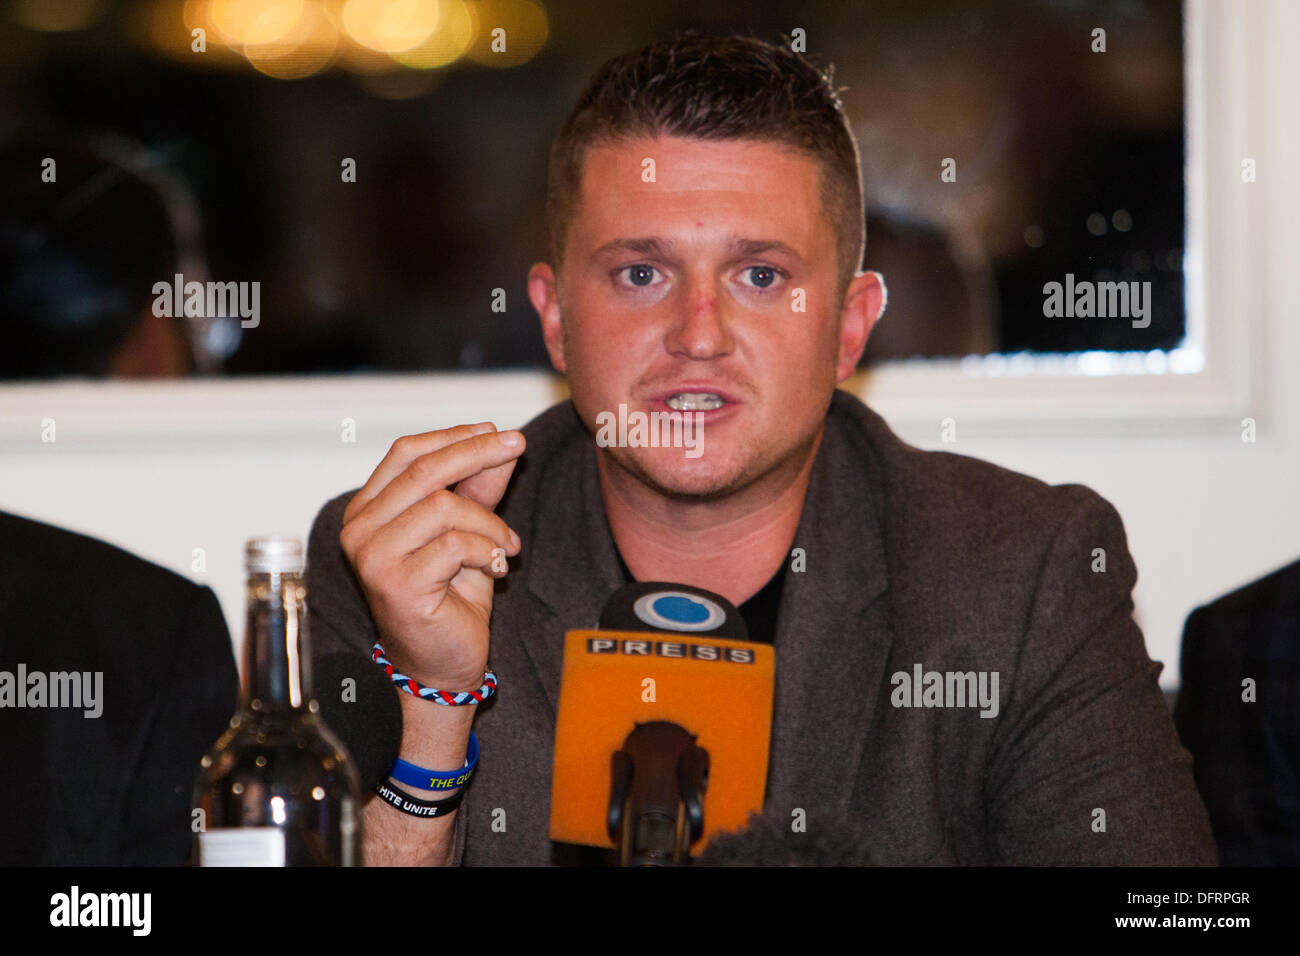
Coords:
390,26
507,32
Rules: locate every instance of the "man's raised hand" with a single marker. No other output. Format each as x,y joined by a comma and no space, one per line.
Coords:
422,538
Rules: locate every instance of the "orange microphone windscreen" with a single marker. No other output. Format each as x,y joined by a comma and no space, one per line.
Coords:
719,690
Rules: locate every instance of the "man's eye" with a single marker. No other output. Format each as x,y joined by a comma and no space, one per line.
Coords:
639,275
761,277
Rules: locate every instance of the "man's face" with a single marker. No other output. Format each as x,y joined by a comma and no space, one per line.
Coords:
715,279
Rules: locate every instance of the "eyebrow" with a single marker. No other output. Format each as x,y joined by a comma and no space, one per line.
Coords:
738,247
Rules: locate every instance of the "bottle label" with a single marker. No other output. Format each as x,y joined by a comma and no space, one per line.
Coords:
242,846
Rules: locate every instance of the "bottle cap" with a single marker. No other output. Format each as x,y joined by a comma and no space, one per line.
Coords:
273,554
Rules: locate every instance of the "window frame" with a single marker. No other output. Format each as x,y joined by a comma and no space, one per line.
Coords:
996,395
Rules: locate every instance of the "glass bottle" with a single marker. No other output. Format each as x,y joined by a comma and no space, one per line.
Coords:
278,788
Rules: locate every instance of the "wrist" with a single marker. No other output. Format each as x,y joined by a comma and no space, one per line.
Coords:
412,805
440,695
452,680
430,778
432,736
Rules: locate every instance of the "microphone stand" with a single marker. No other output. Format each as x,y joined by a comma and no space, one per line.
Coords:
656,801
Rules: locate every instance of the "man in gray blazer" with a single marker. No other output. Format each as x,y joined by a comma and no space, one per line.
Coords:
706,227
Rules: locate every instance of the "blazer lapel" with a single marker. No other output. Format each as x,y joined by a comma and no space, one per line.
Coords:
832,636
574,565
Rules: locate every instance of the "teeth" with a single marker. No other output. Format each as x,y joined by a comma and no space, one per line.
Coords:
695,402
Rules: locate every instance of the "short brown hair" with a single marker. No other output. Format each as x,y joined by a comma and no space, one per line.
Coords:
730,87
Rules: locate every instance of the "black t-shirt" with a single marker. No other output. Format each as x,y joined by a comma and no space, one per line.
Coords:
759,611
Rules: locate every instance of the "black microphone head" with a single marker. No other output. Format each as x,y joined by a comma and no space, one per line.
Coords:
660,606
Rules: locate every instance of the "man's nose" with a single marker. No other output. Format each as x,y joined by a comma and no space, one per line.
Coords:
701,329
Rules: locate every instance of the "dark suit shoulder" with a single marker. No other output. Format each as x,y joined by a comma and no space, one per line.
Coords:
340,616
327,525
108,782
124,606
951,514
948,486
32,549
1277,593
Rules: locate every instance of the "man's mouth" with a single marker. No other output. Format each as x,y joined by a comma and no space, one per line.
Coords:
695,401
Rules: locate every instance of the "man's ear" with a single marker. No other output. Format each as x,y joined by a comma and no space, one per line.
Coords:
545,296
864,304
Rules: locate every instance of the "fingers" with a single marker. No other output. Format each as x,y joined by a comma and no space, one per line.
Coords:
449,464
439,513
489,485
405,450
439,561
404,580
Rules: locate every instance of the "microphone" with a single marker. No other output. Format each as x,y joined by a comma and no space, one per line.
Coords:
653,606
658,781
663,727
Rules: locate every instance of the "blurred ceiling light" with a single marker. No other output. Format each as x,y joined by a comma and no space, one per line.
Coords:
306,48
57,15
390,26
447,43
525,30
231,21
167,26
277,21
291,39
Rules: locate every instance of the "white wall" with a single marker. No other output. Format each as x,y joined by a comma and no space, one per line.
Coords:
164,469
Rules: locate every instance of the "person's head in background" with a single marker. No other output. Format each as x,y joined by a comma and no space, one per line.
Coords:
79,257
706,228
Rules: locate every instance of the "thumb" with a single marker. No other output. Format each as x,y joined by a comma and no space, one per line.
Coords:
488,486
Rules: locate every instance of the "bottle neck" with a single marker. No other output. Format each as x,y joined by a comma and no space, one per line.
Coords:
276,648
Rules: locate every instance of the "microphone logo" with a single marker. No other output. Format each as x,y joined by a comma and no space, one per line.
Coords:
679,611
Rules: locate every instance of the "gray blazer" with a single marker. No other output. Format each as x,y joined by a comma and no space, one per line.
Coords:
912,557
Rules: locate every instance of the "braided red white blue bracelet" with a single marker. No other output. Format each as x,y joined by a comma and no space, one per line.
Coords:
412,686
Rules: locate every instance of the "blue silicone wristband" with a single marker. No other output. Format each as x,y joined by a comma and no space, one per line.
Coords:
413,776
